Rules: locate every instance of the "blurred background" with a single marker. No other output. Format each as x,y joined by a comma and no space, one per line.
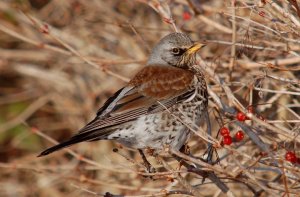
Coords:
61,60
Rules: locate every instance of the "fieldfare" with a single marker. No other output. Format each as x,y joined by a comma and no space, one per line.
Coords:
158,107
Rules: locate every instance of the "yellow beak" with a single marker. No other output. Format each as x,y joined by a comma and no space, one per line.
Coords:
195,47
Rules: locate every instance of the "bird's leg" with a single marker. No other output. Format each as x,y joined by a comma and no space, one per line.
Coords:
147,164
210,153
185,149
210,149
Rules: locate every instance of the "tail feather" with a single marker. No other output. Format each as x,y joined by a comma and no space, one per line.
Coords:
81,137
70,142
56,148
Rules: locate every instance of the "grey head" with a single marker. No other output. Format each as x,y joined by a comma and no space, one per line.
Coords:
175,49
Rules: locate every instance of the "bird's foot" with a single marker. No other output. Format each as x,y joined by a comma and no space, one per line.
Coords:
148,167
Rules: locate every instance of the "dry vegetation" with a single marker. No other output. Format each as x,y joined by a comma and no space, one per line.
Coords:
60,60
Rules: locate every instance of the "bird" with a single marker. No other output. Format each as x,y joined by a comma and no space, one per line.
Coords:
158,107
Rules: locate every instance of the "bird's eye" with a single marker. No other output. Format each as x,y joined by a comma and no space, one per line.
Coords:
175,51
178,51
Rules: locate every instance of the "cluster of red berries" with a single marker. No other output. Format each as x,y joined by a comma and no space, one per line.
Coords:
239,136
291,157
227,139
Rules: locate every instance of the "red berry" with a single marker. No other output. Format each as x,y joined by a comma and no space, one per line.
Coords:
224,131
250,109
227,140
186,16
240,116
239,136
291,157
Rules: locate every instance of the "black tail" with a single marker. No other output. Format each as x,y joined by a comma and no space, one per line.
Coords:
74,140
80,137
55,148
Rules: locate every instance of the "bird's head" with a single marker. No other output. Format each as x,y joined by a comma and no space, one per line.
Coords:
175,49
